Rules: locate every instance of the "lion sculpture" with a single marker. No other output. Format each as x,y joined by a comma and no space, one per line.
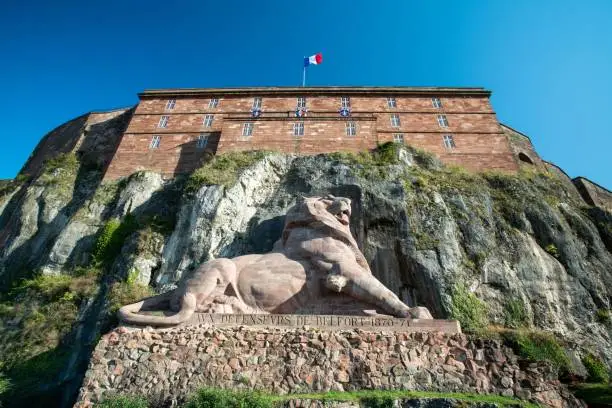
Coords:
316,267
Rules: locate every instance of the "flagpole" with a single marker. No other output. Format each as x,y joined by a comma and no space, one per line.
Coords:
304,75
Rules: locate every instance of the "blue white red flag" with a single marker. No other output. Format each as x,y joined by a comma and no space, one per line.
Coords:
313,60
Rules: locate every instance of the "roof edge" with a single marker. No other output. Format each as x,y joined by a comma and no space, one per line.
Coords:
330,90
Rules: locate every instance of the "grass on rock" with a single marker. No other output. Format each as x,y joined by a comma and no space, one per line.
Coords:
468,309
221,398
223,169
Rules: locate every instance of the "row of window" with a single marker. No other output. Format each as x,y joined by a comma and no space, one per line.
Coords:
208,121
201,141
298,130
345,102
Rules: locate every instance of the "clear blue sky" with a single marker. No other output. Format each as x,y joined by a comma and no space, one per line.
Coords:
548,63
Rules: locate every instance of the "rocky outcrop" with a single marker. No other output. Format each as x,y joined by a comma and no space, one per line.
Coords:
168,365
525,245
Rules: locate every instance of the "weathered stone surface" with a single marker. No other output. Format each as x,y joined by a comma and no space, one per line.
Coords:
289,360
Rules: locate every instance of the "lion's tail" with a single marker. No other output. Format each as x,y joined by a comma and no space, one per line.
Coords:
129,313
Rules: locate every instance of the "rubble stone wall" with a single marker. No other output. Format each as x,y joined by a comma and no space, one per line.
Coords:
167,365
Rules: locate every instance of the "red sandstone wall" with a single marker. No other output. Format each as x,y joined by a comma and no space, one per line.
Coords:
95,135
480,141
521,144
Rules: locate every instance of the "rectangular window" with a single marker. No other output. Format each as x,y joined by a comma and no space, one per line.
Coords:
247,129
214,102
163,122
391,103
398,138
436,102
202,141
395,120
442,121
208,120
351,128
298,129
449,143
345,102
170,104
301,102
257,103
155,140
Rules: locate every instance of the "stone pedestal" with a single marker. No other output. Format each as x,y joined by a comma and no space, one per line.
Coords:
168,365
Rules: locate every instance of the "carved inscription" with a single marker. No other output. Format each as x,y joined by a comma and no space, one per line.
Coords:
330,322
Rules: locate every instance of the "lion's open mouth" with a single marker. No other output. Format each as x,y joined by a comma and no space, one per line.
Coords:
344,216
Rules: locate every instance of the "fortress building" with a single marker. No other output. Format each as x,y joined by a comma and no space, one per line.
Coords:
174,131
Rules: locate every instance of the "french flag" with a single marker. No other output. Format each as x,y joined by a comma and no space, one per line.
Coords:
313,60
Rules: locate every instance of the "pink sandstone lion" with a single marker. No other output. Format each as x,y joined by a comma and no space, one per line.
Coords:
316,267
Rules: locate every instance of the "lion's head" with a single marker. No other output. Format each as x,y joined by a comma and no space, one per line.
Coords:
328,213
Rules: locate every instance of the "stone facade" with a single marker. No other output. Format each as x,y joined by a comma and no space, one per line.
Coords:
478,140
167,365
94,136
522,148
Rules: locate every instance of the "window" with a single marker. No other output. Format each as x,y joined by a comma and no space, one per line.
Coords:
436,102
202,141
351,129
257,103
449,143
442,121
301,102
391,103
208,120
170,104
155,140
395,120
214,102
345,102
163,122
247,129
398,138
298,129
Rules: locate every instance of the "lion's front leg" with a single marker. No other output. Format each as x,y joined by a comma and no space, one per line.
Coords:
358,283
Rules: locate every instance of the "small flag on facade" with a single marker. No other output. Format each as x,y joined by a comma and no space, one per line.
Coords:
313,59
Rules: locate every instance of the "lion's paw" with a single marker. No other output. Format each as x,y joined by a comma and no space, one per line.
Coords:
420,312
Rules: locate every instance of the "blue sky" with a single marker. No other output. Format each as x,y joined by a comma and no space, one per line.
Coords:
548,63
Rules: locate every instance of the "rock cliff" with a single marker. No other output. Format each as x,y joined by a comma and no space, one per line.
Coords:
491,249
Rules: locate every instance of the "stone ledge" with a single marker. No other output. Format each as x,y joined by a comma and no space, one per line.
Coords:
326,322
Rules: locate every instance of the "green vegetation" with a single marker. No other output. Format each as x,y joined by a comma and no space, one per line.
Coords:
111,238
35,317
515,314
371,165
539,346
468,309
598,372
123,293
552,250
223,169
221,398
5,384
123,402
603,316
217,398
595,395
60,172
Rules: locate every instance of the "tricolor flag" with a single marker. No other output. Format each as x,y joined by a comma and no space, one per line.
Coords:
313,59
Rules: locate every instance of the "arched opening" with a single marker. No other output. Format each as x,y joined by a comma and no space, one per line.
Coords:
524,158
